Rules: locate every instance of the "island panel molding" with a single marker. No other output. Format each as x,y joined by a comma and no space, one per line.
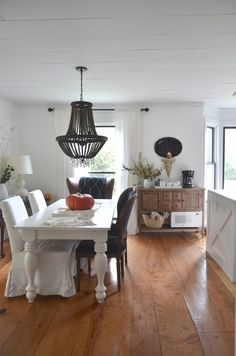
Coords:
221,230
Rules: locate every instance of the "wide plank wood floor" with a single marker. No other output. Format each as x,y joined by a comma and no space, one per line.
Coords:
174,301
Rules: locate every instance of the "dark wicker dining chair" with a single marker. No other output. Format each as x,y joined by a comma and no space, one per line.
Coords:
116,244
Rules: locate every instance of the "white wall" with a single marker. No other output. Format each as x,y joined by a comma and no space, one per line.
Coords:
34,135
37,138
8,119
228,116
184,122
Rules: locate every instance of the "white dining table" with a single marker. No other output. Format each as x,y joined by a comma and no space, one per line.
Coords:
40,227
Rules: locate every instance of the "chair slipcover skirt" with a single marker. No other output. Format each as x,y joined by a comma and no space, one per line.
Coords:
49,281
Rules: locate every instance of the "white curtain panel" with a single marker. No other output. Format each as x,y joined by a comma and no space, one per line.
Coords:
64,167
128,148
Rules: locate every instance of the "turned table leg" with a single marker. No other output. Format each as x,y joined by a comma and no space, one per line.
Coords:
100,261
31,265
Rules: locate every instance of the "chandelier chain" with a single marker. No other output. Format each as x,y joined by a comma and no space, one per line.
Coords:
81,84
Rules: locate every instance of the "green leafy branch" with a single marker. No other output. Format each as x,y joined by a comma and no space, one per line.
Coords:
6,174
142,168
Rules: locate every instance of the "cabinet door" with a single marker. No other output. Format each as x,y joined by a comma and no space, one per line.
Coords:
193,200
150,201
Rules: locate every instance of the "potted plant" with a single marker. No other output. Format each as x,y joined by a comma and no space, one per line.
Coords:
143,169
6,170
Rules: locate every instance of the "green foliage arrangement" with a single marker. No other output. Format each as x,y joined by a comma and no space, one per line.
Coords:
6,174
143,169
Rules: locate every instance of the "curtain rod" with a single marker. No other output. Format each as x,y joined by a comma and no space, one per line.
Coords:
103,109
142,109
53,109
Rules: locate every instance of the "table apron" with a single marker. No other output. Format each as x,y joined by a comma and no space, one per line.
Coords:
31,235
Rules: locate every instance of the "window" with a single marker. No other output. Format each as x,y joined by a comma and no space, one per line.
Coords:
104,163
210,164
229,158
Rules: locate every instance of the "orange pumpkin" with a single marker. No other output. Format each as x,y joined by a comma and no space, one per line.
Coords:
79,201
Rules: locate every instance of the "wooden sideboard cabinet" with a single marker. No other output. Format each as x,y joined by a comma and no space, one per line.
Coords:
170,200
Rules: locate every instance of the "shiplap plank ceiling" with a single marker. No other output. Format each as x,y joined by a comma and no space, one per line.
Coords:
136,51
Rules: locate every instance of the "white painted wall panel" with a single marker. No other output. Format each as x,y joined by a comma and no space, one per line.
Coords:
186,123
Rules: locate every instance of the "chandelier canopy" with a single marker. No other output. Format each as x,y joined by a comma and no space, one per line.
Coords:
81,142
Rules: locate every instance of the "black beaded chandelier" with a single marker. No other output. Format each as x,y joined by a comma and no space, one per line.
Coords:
81,142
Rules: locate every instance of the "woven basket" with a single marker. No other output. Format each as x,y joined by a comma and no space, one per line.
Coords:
155,223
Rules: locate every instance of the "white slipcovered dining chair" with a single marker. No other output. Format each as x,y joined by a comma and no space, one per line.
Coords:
56,258
37,201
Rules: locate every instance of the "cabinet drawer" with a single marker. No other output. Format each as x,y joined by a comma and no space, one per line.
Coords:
166,195
177,202
177,196
166,206
165,200
177,205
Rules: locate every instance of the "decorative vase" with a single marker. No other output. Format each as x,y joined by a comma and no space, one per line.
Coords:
3,192
148,183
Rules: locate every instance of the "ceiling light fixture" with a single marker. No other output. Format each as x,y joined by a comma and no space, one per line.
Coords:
81,142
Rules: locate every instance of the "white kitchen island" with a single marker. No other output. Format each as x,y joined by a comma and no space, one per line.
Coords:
221,233
221,230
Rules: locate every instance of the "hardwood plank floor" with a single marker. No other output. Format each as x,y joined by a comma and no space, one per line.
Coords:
174,301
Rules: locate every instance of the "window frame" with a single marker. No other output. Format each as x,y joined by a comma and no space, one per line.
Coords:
212,162
103,173
223,153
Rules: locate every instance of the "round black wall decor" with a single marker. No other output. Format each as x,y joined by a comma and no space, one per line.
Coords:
168,144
